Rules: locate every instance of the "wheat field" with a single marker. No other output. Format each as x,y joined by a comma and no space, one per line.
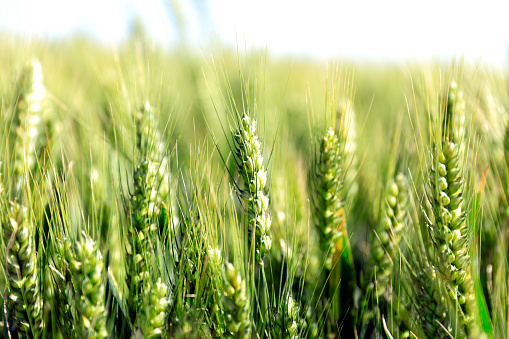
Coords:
166,194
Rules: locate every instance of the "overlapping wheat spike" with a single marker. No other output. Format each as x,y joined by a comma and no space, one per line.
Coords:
449,231
24,301
236,304
88,274
250,164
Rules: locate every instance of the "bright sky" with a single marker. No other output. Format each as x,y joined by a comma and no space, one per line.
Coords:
394,30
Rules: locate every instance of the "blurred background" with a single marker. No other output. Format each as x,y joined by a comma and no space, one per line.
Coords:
366,30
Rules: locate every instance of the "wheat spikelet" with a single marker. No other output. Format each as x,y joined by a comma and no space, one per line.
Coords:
250,163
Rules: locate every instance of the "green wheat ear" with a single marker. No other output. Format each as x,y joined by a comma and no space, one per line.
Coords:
236,303
24,301
449,231
287,322
150,191
386,243
216,287
88,279
250,165
155,304
430,302
327,201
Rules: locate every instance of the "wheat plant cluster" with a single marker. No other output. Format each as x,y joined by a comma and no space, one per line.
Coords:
159,194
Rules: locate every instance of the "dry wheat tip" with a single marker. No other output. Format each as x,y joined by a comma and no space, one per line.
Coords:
250,164
236,303
23,297
88,272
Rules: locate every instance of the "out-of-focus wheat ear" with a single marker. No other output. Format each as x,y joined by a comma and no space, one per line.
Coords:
88,275
250,165
449,230
455,114
311,325
24,300
385,243
287,322
31,119
1,184
347,137
153,313
215,262
236,304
